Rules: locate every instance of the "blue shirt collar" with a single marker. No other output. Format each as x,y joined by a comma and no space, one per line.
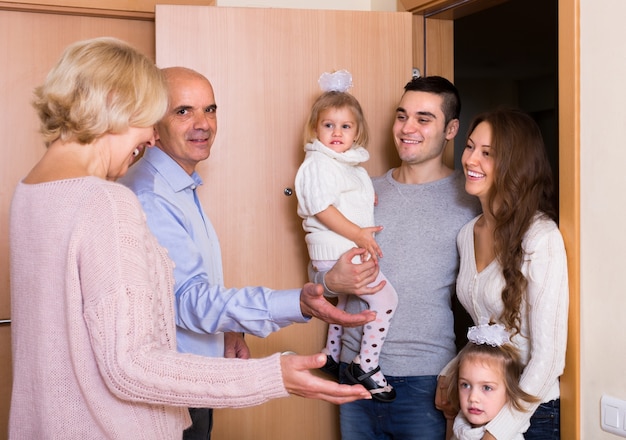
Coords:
175,175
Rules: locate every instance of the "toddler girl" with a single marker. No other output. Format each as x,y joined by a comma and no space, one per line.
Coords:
336,201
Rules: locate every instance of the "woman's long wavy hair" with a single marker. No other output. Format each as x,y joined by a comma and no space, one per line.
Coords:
522,189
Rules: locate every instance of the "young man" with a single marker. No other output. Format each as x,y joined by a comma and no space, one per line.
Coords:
210,319
422,205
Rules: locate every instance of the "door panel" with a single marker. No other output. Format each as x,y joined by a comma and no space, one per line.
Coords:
264,65
27,58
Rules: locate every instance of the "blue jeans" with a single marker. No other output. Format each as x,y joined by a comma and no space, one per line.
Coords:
201,424
545,422
412,416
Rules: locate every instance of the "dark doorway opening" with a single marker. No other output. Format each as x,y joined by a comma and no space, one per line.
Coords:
507,55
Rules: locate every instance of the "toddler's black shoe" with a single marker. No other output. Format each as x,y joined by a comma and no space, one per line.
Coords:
331,367
356,375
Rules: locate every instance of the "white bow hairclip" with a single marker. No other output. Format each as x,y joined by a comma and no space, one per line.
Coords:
339,81
492,334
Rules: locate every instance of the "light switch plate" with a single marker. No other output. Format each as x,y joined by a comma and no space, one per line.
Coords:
613,415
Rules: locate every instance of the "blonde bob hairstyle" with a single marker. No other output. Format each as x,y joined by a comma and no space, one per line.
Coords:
337,100
99,86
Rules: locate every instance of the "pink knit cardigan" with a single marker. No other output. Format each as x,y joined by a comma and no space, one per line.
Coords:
93,334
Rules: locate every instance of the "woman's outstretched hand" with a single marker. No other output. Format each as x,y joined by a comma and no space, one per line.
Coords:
301,382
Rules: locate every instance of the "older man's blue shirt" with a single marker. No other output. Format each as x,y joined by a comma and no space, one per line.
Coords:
204,307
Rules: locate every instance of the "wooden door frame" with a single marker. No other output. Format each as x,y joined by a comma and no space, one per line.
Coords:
439,36
433,22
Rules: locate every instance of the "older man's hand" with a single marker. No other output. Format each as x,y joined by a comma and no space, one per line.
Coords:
313,303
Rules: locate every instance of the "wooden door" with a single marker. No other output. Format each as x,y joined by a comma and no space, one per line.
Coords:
27,58
264,65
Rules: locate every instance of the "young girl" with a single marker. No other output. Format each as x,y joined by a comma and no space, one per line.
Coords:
336,201
485,378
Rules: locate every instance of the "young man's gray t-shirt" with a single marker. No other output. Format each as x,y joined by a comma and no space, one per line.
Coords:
420,259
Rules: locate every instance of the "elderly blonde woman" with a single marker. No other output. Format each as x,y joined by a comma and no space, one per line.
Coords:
93,322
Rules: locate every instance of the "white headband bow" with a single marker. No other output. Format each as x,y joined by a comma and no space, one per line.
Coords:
339,81
494,334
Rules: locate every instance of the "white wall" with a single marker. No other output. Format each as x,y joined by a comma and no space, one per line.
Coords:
603,208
